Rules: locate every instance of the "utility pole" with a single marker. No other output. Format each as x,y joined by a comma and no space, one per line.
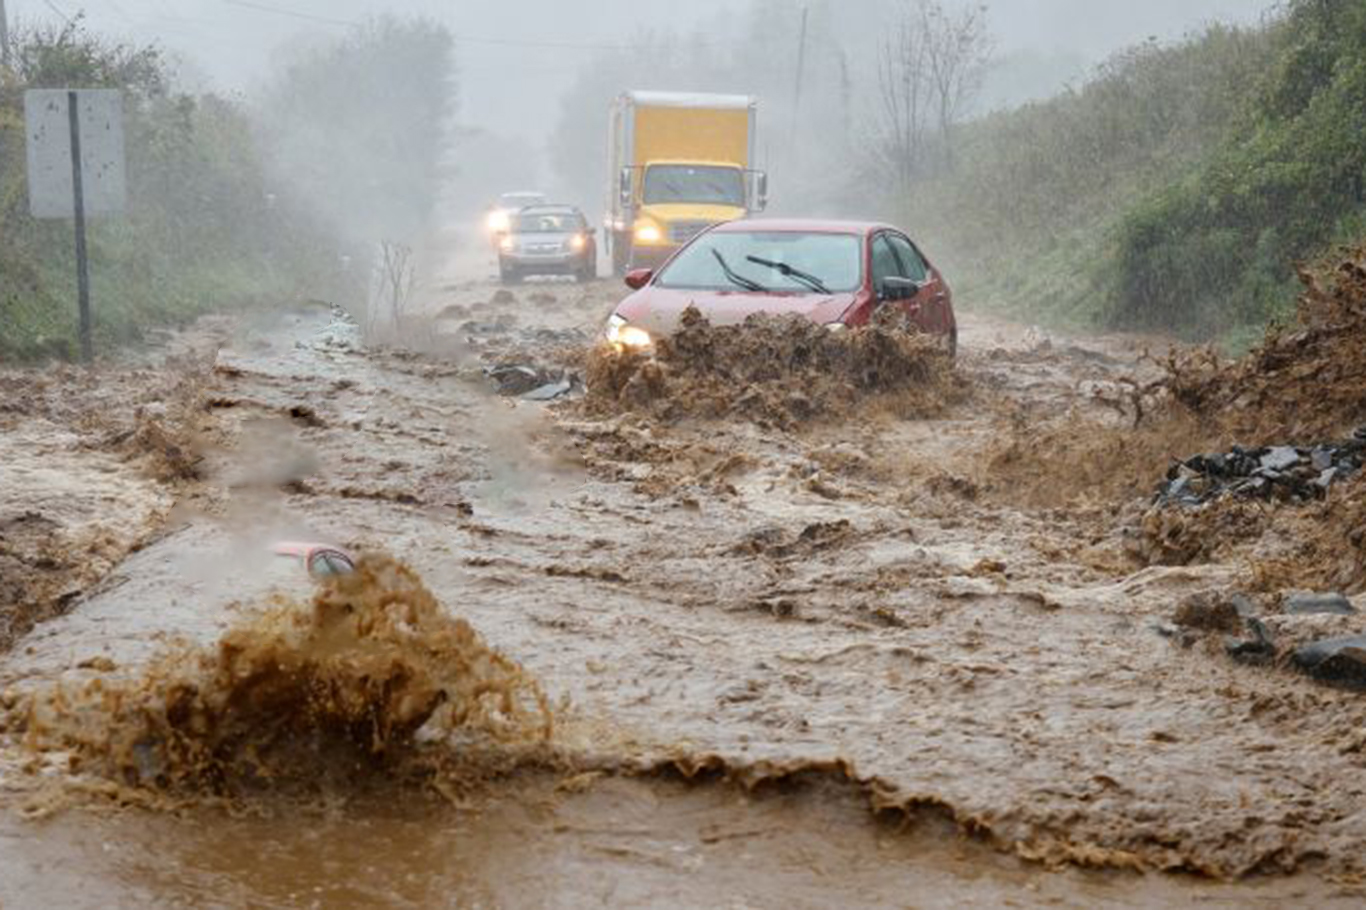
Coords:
4,36
793,147
801,66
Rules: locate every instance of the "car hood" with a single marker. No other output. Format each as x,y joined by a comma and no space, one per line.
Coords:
658,310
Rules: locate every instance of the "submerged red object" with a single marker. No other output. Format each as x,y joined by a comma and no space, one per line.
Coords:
319,559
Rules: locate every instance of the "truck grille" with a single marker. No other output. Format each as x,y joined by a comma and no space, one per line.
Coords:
683,231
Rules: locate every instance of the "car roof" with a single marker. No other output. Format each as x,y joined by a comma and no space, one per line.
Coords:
804,225
551,209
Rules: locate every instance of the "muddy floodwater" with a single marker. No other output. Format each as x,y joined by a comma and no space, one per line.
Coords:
800,656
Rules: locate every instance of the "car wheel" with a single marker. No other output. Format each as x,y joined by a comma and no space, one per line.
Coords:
510,276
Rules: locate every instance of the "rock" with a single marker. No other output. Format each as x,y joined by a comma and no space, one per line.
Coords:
1304,604
1208,611
1334,659
1260,648
1279,472
549,391
1245,606
1281,458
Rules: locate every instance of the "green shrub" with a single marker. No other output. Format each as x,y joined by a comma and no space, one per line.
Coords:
1216,251
201,231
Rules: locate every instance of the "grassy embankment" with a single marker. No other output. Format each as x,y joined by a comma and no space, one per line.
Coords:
203,229
1176,190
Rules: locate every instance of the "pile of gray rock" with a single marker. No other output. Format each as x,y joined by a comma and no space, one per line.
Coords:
1285,473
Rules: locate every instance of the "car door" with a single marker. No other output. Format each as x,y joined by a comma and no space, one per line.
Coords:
930,306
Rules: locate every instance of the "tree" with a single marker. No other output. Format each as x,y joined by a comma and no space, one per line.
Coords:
930,71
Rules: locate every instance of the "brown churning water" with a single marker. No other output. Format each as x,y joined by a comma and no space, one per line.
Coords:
371,679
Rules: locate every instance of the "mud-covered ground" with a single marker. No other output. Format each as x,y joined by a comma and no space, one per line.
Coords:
802,647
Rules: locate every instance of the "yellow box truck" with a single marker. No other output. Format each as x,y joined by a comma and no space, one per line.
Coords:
679,163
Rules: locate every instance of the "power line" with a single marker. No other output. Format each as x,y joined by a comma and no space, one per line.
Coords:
296,14
52,6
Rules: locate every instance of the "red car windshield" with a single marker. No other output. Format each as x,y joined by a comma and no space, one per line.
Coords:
781,261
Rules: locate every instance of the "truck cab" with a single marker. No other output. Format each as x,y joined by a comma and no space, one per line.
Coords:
680,164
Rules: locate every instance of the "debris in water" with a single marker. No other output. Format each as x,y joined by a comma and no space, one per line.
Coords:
1305,604
1335,659
531,383
1278,472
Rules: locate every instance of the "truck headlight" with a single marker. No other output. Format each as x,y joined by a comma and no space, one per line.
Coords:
649,233
622,335
499,222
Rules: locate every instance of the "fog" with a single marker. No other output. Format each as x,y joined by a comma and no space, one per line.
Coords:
510,84
526,107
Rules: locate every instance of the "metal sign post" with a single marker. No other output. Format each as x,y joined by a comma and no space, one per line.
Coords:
78,212
76,169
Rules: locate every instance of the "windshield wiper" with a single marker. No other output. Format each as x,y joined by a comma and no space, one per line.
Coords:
748,284
788,271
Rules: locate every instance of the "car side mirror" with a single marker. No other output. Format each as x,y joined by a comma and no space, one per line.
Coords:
895,287
638,278
590,231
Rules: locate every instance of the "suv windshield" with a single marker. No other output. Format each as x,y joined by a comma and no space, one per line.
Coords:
834,260
666,183
547,223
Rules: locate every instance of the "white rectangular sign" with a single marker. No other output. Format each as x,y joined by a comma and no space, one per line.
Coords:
47,120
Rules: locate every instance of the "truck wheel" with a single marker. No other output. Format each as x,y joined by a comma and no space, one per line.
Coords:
508,275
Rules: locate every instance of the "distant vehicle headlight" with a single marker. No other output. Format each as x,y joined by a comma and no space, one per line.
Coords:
649,233
623,335
507,244
499,221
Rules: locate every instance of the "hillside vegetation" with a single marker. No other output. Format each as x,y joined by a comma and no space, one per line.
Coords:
200,230
1176,190
230,204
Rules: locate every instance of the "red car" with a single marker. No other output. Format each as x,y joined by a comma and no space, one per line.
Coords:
836,273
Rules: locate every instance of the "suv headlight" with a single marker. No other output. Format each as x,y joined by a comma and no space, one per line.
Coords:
622,335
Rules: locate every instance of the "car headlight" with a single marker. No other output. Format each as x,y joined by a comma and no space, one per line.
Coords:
623,335
577,242
649,233
499,222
